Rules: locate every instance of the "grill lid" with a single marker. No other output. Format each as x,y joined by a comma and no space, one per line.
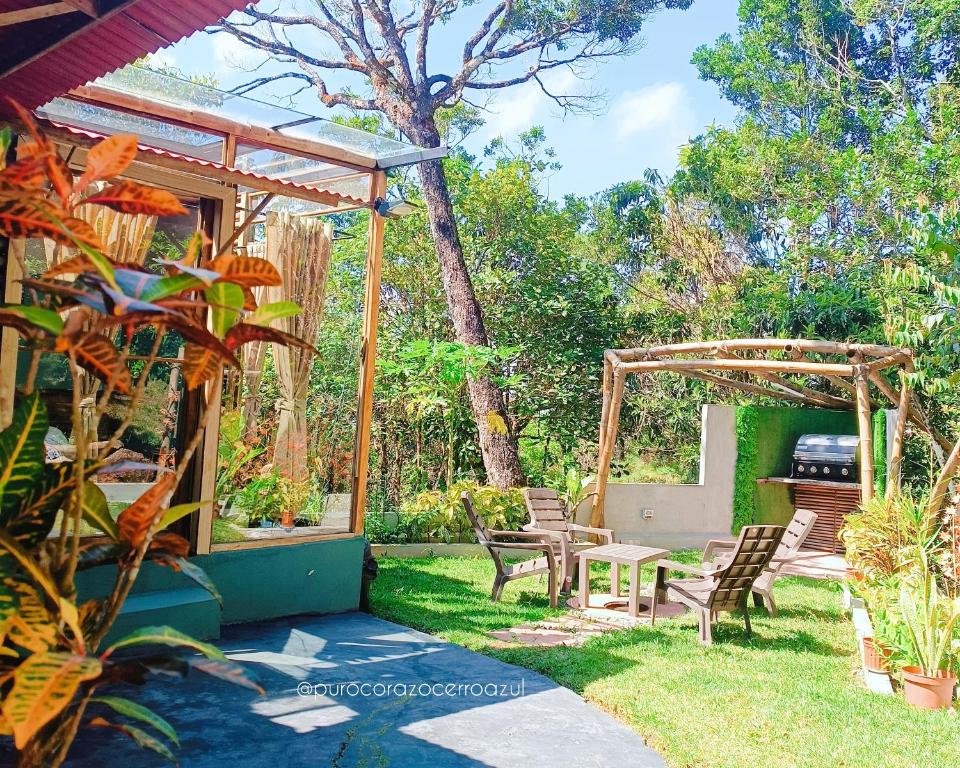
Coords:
841,449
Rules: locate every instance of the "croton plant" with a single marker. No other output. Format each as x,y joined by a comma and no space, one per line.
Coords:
55,673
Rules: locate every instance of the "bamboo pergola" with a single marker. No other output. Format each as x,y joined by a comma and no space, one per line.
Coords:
770,367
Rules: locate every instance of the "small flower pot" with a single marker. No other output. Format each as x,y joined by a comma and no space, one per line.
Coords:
925,692
266,523
287,522
875,655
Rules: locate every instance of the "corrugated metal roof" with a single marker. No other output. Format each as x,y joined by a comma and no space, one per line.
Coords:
80,49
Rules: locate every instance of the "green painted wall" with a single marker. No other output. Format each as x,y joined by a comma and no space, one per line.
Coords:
263,583
766,437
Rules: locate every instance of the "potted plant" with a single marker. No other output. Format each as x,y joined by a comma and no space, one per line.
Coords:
233,454
929,619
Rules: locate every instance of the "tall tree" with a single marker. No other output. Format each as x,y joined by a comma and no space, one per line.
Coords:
386,46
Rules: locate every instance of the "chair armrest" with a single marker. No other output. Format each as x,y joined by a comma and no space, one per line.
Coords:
523,546
605,533
534,536
714,544
672,565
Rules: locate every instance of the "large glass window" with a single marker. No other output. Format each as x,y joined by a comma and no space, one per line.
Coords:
286,443
128,441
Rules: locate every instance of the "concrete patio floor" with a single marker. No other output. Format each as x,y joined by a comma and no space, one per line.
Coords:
494,715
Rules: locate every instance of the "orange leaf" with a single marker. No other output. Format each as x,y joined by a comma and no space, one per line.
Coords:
245,271
28,171
136,521
75,265
200,364
36,217
131,197
109,158
245,332
61,178
170,543
249,299
99,356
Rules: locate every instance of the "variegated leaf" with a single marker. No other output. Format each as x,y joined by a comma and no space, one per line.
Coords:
109,158
249,271
43,686
137,520
130,197
22,454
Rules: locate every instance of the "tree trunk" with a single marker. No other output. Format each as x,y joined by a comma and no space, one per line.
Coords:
501,459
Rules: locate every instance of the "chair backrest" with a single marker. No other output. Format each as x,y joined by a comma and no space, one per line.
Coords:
796,533
546,509
752,553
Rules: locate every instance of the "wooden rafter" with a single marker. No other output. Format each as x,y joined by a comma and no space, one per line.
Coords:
770,361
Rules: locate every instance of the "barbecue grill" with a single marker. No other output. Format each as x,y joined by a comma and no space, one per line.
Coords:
826,457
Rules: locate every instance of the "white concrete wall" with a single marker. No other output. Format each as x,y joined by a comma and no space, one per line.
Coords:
683,515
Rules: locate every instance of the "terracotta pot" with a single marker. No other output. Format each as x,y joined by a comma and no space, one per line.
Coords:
286,521
875,655
925,692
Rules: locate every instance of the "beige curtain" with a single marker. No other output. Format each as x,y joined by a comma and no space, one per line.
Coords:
252,358
300,250
126,238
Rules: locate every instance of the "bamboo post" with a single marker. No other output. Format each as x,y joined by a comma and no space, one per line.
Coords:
368,354
896,449
606,449
865,428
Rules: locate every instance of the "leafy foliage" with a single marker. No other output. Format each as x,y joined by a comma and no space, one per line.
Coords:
51,665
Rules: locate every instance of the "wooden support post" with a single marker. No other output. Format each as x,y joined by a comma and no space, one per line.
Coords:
607,448
865,428
368,355
896,449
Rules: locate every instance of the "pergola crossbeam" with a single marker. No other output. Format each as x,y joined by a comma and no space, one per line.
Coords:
862,366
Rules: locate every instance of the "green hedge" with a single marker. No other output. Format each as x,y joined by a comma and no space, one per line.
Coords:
766,436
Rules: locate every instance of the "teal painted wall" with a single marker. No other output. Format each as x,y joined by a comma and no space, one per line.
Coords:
766,437
263,583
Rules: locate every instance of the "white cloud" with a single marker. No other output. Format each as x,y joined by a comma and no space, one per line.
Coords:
230,53
517,109
662,108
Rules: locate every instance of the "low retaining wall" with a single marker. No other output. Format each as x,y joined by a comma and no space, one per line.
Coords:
679,516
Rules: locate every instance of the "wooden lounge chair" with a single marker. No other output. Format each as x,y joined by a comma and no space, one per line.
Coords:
549,514
497,542
796,533
724,587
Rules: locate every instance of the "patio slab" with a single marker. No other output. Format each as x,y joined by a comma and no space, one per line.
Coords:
328,704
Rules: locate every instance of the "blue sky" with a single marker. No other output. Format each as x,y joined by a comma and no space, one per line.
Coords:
652,103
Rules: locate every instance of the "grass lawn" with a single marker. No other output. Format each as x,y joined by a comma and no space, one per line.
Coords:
790,697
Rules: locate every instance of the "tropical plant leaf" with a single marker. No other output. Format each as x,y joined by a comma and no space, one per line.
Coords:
139,712
200,364
191,571
165,636
108,158
141,737
169,544
137,520
244,332
178,511
32,628
226,301
130,197
230,671
43,686
99,356
29,171
22,454
75,265
96,511
33,519
98,554
275,310
172,285
40,317
245,270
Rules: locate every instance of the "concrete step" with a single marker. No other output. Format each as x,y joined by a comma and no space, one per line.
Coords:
189,609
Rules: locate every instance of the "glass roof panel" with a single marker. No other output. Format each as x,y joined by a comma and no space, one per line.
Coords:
155,133
289,122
